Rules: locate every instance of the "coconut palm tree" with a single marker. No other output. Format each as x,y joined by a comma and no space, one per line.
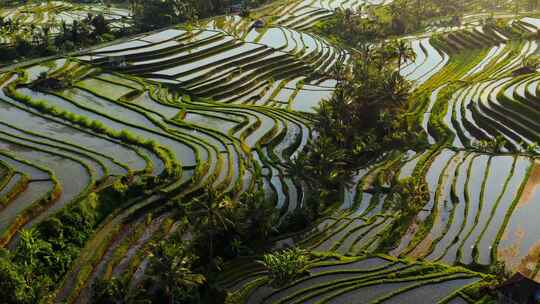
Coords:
395,89
46,29
171,269
404,52
215,213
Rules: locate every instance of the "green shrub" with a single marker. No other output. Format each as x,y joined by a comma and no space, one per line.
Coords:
107,37
7,53
14,287
115,290
411,194
495,145
171,272
295,221
285,266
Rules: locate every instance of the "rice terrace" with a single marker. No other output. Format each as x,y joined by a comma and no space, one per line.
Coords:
270,151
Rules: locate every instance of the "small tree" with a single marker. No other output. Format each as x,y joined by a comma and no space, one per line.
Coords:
499,270
171,271
532,62
100,25
113,291
494,145
410,195
285,266
14,287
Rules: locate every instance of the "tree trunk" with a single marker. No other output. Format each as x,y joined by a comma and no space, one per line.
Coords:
211,250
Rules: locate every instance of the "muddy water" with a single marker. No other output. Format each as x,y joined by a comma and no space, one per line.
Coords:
35,191
444,207
522,233
15,179
458,212
72,176
473,188
432,178
184,153
499,171
502,211
33,172
431,293
52,129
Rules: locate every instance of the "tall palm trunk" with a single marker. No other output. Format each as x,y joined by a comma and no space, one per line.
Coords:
211,249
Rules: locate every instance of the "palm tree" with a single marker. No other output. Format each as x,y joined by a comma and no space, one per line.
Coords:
215,214
365,51
171,268
404,52
397,10
31,247
64,28
46,28
396,89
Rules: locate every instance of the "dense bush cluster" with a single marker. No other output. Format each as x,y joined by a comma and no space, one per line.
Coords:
362,121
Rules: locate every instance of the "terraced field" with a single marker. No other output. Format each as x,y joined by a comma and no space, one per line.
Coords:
51,14
341,279
225,106
202,143
212,64
111,126
477,190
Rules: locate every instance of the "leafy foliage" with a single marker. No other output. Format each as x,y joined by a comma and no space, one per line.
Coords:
377,23
171,12
171,270
410,195
225,227
494,145
113,291
364,119
285,266
31,40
